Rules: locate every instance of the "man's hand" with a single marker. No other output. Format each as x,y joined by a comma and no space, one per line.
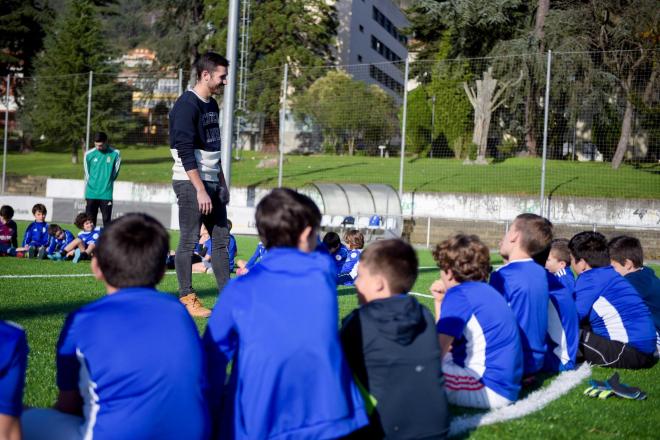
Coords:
204,202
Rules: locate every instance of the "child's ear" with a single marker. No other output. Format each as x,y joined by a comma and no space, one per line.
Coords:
628,265
96,270
305,240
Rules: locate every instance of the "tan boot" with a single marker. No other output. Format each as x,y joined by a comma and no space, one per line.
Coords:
194,306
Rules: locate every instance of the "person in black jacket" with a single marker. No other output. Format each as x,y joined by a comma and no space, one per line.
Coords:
392,348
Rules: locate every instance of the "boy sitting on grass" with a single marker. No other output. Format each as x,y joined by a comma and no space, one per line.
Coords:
524,284
627,258
36,234
392,348
6,218
355,242
59,240
13,362
559,263
336,249
478,332
278,324
82,247
129,365
616,326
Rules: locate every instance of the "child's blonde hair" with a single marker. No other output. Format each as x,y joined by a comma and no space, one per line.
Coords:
354,239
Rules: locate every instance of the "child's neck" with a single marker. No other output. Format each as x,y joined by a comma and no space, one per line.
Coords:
518,254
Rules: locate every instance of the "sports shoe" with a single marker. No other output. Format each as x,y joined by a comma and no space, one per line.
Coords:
41,255
194,306
32,252
76,256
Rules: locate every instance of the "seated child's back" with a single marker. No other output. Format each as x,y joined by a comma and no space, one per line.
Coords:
392,348
278,323
524,285
611,307
483,361
348,272
134,357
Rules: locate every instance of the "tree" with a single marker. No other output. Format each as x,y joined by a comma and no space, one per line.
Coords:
56,102
348,110
22,23
178,31
485,100
298,32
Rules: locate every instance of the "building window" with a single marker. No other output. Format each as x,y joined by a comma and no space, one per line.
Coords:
359,58
361,28
385,79
385,52
385,22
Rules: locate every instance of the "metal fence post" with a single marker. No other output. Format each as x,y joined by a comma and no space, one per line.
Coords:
180,81
546,111
403,127
230,92
285,85
4,149
89,108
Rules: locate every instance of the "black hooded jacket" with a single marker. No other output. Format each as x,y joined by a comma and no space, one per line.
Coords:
392,348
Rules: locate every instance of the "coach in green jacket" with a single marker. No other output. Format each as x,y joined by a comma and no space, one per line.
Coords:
101,170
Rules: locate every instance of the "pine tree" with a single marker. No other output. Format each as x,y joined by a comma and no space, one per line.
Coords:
22,23
298,32
56,99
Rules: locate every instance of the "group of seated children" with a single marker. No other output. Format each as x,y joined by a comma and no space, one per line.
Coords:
389,372
43,240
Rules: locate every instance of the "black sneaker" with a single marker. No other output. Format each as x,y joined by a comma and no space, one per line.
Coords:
42,253
32,252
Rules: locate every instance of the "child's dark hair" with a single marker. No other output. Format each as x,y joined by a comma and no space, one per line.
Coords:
590,247
54,229
131,251
283,215
536,232
331,240
354,239
624,248
7,212
466,256
209,61
559,247
81,219
395,260
39,208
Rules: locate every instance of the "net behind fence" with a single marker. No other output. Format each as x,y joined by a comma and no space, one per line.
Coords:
472,127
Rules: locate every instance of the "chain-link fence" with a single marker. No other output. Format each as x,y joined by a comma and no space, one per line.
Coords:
537,127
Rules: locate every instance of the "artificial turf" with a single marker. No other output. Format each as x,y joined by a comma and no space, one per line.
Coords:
40,304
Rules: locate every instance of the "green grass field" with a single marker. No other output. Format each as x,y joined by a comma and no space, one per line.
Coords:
512,176
50,290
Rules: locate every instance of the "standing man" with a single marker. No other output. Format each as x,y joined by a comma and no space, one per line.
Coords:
198,181
102,165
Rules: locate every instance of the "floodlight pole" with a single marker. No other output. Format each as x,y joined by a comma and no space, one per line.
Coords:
4,150
546,110
403,128
230,91
89,109
285,86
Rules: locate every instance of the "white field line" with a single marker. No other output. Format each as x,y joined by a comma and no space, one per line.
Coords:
424,295
66,275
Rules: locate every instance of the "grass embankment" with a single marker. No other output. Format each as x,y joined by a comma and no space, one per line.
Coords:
519,176
40,305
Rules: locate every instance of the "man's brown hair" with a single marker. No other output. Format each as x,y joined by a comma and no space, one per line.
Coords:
354,238
466,256
536,232
624,248
395,260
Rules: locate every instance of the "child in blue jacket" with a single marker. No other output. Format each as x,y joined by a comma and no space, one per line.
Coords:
278,325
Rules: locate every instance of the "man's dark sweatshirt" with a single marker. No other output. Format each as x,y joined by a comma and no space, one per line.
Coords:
392,348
